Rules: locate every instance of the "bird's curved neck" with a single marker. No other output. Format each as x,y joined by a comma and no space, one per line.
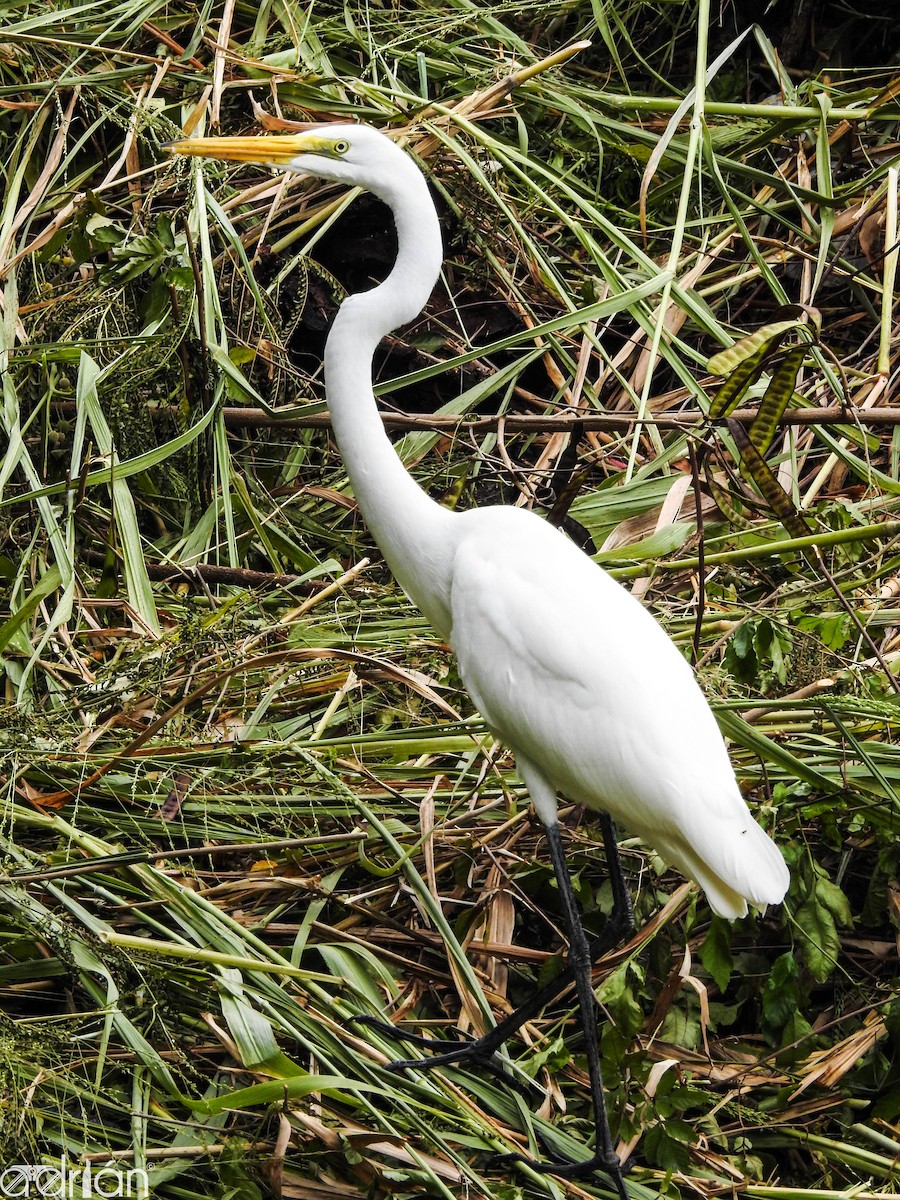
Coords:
412,531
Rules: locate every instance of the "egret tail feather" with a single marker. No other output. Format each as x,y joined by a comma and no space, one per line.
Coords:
745,868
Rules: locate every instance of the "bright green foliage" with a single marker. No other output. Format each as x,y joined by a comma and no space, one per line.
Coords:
822,912
759,650
715,952
780,994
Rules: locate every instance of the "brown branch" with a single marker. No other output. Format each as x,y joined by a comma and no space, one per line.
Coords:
211,573
236,418
258,418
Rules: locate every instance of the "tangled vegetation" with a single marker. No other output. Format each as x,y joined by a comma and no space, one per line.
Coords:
245,798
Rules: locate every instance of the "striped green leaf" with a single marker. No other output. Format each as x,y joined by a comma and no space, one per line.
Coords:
754,346
769,487
776,399
723,499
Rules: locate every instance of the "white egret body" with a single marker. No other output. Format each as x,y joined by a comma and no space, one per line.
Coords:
596,701
568,668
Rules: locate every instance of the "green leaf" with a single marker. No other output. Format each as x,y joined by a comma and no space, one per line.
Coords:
137,581
46,585
656,545
769,487
781,992
831,896
252,1031
754,347
825,180
666,1144
738,730
565,323
616,993
715,952
276,1090
776,398
818,917
682,1026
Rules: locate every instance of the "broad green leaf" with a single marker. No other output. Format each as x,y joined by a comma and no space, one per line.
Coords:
780,992
666,1145
362,970
275,1091
822,944
715,952
601,509
617,994
252,1032
682,1025
660,543
833,898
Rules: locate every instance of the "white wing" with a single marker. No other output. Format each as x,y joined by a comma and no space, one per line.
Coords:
578,678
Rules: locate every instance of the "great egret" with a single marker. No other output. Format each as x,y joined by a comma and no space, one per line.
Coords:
566,667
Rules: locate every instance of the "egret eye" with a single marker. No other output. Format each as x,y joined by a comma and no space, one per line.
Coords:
341,147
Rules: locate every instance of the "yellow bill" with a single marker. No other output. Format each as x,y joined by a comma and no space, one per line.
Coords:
266,148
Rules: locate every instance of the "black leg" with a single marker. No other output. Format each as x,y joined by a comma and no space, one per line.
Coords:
480,1051
621,919
619,926
604,1155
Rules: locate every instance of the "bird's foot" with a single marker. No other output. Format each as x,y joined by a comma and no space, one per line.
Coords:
400,1035
602,1160
465,1052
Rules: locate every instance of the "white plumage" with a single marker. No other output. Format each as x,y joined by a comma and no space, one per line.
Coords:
583,684
566,666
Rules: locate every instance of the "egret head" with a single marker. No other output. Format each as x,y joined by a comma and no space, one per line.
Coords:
359,156
352,154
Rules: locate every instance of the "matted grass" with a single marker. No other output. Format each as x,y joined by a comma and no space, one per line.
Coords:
246,798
